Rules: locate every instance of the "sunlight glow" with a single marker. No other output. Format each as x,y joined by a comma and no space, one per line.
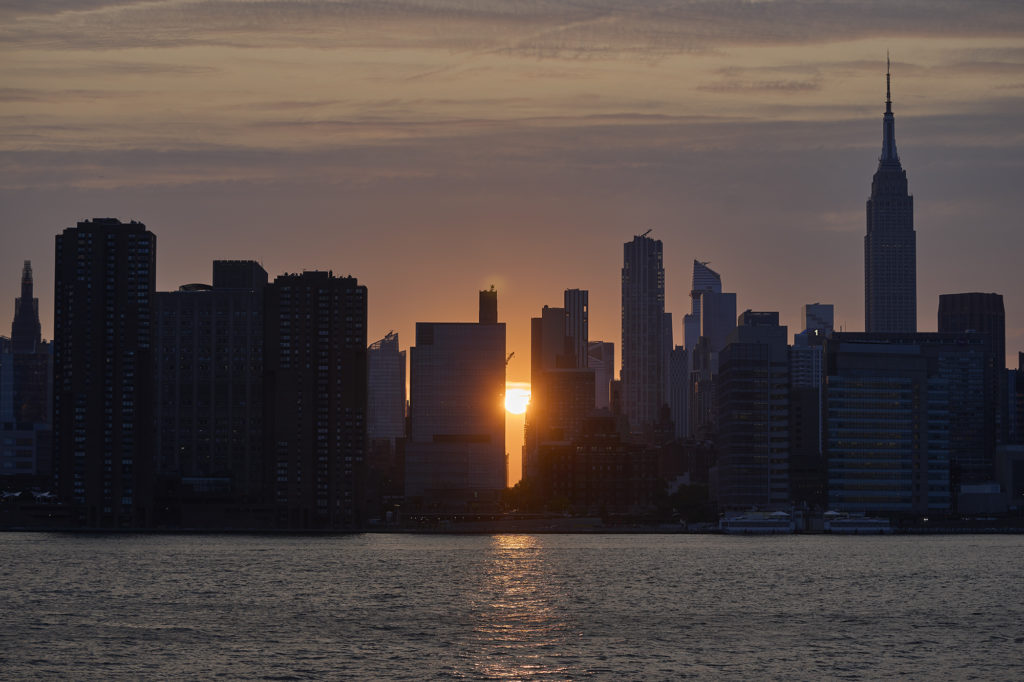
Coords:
517,398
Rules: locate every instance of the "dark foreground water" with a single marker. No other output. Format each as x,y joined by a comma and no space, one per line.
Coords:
557,606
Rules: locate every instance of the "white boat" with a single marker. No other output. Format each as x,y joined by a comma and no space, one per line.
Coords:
855,525
758,523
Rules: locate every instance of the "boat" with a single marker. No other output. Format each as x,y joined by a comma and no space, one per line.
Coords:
758,523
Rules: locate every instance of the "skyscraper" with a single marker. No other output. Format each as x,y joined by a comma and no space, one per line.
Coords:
705,280
977,312
601,359
455,456
753,414
577,324
209,385
103,294
386,372
890,245
818,317
25,334
315,406
644,353
562,386
25,390
983,313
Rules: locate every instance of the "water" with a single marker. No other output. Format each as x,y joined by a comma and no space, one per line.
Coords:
511,606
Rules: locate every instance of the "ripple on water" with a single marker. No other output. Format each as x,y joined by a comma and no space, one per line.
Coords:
510,607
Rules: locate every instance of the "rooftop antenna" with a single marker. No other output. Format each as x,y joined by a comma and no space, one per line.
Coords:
888,91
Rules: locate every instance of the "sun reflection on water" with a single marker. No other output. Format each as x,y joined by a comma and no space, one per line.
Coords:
518,619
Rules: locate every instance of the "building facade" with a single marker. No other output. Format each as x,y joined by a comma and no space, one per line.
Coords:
753,414
105,274
315,388
890,245
908,420
644,352
455,455
386,372
209,385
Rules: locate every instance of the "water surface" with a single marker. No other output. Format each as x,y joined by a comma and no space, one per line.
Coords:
511,606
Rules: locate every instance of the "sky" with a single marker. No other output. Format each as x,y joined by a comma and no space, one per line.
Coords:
433,148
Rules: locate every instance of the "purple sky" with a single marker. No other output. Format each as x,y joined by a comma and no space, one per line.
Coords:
434,148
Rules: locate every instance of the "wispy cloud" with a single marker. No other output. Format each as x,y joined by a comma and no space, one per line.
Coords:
542,28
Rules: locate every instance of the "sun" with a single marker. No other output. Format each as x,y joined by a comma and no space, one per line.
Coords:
516,399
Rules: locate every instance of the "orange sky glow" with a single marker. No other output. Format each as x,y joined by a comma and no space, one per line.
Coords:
433,148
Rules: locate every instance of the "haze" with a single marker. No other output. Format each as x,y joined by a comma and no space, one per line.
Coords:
434,148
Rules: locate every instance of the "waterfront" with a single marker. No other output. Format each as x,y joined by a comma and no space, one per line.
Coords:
510,606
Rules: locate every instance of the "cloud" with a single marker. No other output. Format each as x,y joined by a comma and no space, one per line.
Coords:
733,85
543,29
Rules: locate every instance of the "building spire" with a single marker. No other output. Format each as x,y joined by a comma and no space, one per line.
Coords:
889,154
888,90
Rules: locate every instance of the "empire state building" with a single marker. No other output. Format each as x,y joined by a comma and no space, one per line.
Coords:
890,249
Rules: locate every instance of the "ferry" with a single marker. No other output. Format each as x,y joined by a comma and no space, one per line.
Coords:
856,525
758,523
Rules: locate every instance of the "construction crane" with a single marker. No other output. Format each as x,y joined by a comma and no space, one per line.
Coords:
509,358
646,233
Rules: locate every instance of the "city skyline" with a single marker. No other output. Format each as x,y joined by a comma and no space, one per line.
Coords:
479,153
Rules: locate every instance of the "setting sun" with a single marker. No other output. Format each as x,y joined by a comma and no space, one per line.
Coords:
517,398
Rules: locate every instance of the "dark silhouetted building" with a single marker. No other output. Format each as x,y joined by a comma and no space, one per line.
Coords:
807,471
601,359
562,386
489,306
455,455
25,330
890,245
679,387
386,426
386,408
577,325
644,351
753,414
209,389
818,317
26,363
103,418
705,281
908,420
1015,401
315,385
599,473
706,329
976,312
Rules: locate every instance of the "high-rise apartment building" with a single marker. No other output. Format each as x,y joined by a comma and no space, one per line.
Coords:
890,245
577,325
105,273
316,397
208,343
455,455
644,353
